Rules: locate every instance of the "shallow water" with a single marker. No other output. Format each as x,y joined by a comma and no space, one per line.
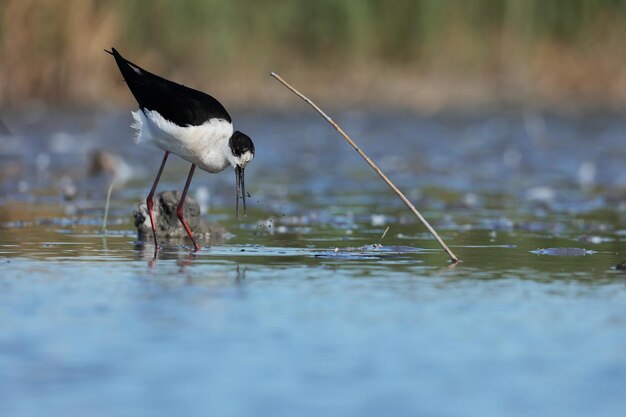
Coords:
307,309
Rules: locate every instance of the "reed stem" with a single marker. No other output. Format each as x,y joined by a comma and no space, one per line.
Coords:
405,200
106,206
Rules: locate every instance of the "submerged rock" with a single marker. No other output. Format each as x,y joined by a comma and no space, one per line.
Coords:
167,223
103,162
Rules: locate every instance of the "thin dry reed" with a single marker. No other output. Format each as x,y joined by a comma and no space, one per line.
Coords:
371,163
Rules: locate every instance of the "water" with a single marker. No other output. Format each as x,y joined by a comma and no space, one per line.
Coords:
302,311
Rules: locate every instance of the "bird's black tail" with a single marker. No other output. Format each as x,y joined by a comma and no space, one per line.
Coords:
136,77
128,69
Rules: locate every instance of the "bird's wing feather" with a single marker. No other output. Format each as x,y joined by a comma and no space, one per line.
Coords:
175,102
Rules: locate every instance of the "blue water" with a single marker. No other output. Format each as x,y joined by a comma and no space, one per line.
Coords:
299,313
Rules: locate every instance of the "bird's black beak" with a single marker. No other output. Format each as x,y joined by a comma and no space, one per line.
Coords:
241,189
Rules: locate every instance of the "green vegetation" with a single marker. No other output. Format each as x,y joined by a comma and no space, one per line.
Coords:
227,38
347,29
231,32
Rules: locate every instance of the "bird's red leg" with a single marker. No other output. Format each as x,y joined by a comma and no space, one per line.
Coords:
150,200
181,205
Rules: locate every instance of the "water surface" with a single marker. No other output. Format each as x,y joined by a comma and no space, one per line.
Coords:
307,309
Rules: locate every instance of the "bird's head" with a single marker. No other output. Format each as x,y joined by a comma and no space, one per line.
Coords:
241,152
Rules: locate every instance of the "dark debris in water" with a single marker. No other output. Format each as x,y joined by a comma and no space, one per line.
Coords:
563,252
621,266
375,250
594,239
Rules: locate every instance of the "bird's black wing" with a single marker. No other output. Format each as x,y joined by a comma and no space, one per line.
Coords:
175,102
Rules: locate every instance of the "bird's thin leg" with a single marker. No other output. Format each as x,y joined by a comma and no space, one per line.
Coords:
181,205
150,200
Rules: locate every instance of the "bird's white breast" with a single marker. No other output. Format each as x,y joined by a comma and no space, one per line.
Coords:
204,145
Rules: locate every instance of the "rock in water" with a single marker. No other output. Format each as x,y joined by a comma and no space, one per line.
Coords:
167,223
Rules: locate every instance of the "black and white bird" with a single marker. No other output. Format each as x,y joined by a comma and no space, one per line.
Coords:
187,123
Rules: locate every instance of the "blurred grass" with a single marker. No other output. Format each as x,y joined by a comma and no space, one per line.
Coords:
403,51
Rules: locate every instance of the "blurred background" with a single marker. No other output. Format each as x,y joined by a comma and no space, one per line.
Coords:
425,54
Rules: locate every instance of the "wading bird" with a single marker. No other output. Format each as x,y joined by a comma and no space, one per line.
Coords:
187,123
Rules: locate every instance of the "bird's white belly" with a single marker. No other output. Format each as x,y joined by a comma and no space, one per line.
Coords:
201,145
